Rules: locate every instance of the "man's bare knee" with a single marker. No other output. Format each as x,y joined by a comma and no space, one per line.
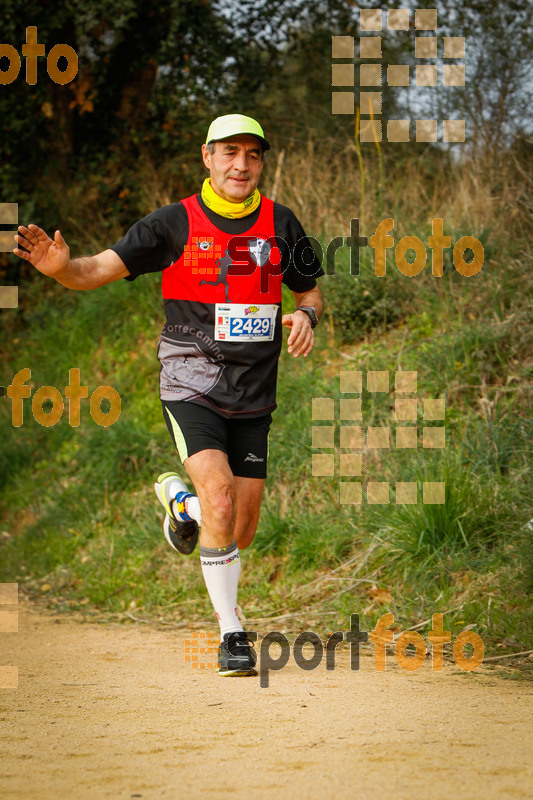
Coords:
219,506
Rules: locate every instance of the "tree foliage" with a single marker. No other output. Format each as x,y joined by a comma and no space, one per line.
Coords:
152,75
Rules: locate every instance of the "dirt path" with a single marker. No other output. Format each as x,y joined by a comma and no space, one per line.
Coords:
107,711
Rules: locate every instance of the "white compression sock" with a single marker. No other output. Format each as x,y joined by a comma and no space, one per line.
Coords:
192,508
221,568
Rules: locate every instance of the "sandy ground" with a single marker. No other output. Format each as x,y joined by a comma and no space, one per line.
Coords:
114,711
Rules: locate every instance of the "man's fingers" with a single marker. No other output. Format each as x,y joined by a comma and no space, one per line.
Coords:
22,254
296,326
27,232
310,346
34,234
301,339
38,232
293,337
26,235
292,341
21,240
305,346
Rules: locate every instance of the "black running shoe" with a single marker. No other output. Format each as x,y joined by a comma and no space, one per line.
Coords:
236,656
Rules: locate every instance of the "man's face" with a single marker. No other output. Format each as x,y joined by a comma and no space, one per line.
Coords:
235,166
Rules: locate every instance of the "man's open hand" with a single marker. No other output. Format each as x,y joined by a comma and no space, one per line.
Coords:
301,337
49,256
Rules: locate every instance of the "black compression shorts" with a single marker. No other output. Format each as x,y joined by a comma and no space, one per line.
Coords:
245,441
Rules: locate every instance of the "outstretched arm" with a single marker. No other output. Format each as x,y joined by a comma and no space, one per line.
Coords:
52,258
301,337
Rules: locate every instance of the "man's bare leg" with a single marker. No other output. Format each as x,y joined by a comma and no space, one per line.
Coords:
214,484
230,504
249,494
230,510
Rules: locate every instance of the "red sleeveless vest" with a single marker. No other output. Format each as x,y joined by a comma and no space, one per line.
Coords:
208,273
221,342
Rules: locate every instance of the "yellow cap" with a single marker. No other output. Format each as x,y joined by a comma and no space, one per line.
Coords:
233,124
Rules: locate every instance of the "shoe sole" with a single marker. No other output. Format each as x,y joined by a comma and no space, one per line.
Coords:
182,545
237,673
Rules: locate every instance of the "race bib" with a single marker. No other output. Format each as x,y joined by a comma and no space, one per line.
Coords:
242,322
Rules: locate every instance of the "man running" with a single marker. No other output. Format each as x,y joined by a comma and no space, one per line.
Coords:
224,254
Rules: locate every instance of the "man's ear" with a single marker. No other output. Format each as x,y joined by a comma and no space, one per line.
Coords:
206,156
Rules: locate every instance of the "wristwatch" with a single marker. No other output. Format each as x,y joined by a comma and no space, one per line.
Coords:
311,313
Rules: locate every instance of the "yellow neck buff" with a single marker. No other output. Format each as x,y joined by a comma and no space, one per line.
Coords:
226,209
